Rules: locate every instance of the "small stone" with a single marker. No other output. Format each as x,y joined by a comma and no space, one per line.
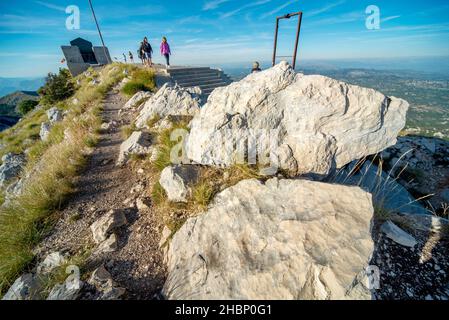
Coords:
52,261
103,226
107,246
397,234
143,203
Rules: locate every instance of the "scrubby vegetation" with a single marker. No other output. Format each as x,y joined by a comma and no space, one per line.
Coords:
26,106
52,166
57,87
141,80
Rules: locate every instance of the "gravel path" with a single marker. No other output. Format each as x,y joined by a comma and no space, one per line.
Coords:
137,264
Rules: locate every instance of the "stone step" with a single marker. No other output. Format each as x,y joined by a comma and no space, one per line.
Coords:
207,76
194,82
181,72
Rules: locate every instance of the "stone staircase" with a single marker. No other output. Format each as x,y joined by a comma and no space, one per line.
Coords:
204,77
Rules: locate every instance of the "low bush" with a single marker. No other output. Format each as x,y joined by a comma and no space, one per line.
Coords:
26,106
57,87
141,80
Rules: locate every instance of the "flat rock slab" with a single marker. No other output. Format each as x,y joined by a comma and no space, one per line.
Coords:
285,239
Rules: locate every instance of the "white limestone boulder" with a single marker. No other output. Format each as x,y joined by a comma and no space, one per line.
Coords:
11,167
138,143
137,99
314,123
176,181
54,115
285,239
170,100
45,131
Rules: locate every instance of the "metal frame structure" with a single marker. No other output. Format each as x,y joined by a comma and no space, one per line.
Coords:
288,16
99,32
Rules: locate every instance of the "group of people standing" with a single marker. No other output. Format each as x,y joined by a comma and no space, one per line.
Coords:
145,52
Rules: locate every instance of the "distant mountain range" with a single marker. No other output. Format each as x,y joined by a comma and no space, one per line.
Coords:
8,104
9,85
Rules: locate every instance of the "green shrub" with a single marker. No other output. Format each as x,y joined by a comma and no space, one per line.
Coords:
141,80
26,106
57,87
132,87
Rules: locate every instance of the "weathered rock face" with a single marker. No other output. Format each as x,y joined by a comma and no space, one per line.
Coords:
287,239
170,100
54,115
320,123
66,291
26,287
45,131
138,98
11,167
51,261
176,181
138,143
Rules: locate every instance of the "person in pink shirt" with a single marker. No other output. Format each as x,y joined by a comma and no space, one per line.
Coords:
165,50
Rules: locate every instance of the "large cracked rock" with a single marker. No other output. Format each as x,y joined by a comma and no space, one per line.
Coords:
320,123
170,100
285,239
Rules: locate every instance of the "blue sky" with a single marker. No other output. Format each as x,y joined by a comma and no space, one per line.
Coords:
213,32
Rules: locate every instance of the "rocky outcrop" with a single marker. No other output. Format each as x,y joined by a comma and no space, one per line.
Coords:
51,261
177,181
54,115
311,124
66,291
170,100
138,143
285,239
45,131
137,99
26,287
12,165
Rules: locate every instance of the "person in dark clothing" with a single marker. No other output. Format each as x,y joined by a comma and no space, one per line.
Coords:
256,67
147,51
131,57
140,53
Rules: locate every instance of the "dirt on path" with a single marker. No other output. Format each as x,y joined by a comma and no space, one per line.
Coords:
137,264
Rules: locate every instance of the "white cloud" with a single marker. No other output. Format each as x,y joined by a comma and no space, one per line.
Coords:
277,9
213,4
244,7
51,6
390,18
324,9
